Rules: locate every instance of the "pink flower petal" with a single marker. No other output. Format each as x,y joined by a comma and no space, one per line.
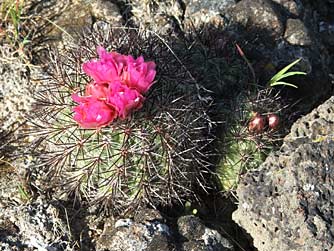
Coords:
98,91
92,113
124,99
101,72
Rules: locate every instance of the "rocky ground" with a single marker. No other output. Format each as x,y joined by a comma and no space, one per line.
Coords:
283,205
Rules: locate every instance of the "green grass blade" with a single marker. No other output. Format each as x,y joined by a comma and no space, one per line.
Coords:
279,74
24,195
288,74
284,83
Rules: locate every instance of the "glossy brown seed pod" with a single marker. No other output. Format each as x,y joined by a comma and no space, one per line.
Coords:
257,123
273,121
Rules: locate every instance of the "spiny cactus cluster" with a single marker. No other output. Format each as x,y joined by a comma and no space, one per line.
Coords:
156,156
224,72
239,101
245,141
255,128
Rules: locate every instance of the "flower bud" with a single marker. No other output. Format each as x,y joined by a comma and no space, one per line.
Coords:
273,121
257,123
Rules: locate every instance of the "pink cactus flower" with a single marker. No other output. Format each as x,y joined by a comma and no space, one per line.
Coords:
119,59
92,113
139,74
104,70
117,87
98,91
112,66
124,99
101,72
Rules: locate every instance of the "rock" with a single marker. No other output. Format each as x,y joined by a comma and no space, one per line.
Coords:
15,89
326,31
315,127
291,6
286,203
199,12
106,11
259,14
146,214
191,227
296,33
34,226
147,231
323,8
157,15
198,237
145,234
70,18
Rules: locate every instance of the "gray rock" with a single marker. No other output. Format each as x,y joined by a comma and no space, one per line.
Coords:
323,8
148,232
260,14
286,204
292,6
144,234
146,214
296,33
200,237
15,88
326,31
106,11
157,15
70,18
191,227
34,226
200,12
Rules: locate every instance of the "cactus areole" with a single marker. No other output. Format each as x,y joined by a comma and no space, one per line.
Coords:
119,82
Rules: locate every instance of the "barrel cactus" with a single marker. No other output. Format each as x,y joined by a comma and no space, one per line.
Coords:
154,153
254,127
261,117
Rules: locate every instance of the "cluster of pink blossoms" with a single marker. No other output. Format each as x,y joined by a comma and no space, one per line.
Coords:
119,82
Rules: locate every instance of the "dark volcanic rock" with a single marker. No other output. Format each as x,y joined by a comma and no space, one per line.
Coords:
158,15
199,237
293,7
324,8
148,232
287,204
35,226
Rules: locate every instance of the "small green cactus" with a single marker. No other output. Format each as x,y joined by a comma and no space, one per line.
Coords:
239,154
242,146
156,156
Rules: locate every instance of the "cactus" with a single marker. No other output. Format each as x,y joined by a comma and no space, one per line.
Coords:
225,73
240,152
156,156
238,96
254,129
242,146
